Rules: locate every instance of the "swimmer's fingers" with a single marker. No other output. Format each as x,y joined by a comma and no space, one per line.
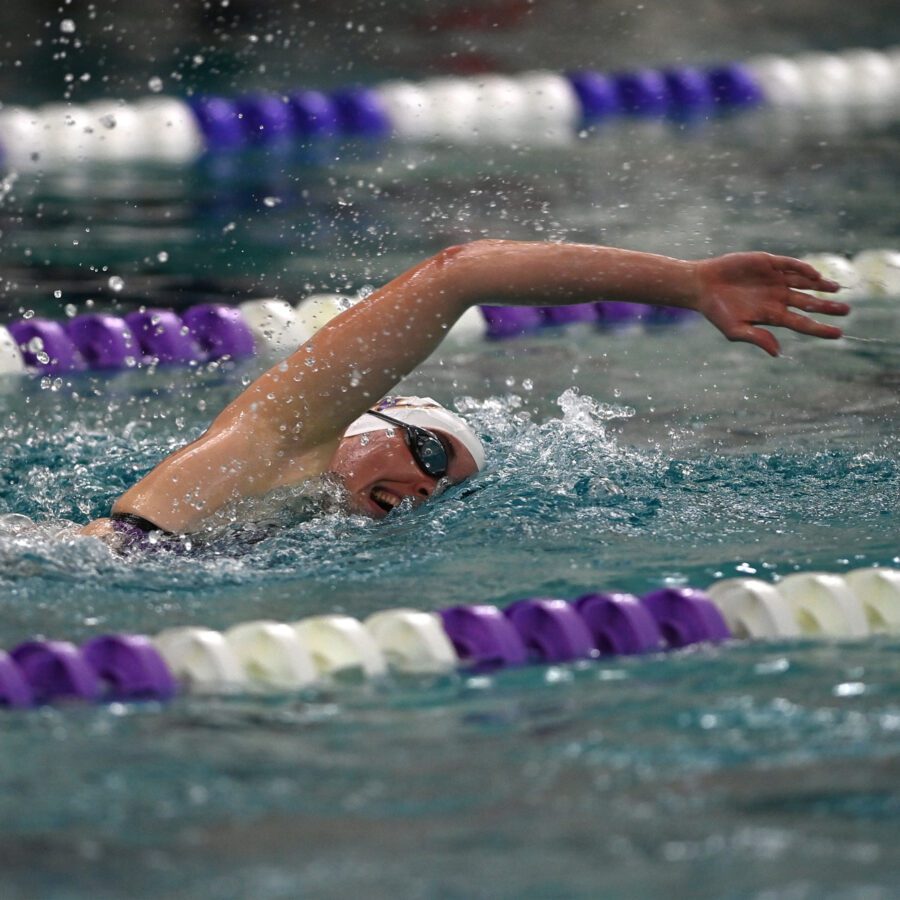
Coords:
751,334
805,325
799,274
805,283
808,303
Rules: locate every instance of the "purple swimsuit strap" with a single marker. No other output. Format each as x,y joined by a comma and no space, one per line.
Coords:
139,522
135,533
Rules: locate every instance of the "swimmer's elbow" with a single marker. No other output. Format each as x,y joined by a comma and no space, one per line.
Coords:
457,271
461,253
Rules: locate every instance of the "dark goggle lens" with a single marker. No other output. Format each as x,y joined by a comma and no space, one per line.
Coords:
429,453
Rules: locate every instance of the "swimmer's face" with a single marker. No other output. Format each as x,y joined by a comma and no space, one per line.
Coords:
379,472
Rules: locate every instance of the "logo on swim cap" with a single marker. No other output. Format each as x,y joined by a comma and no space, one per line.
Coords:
426,413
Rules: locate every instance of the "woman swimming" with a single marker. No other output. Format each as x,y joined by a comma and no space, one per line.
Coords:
313,413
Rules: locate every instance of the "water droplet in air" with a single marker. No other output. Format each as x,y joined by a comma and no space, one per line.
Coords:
116,283
67,26
271,201
155,84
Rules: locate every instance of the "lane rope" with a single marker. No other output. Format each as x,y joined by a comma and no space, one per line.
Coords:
530,107
264,656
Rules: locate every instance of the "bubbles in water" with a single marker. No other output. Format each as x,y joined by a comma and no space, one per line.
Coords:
15,523
585,411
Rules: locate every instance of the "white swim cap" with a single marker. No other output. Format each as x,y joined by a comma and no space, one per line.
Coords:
426,413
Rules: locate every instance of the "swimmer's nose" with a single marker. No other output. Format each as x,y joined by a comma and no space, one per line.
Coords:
424,489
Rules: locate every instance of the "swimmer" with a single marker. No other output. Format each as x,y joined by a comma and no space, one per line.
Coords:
321,410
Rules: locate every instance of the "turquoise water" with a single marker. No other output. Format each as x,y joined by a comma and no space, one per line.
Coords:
616,460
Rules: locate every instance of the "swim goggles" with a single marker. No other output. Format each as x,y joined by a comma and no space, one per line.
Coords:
428,451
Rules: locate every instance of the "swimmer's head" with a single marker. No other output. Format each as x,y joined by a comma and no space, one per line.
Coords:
416,450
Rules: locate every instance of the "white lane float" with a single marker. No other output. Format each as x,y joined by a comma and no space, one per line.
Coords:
840,269
753,608
410,109
116,131
275,324
169,131
338,643
553,109
317,310
412,640
878,590
879,272
502,108
11,362
824,604
200,656
272,655
454,105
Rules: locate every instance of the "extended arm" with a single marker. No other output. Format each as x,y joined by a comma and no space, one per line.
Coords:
286,425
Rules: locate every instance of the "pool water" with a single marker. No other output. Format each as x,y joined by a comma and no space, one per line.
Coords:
617,460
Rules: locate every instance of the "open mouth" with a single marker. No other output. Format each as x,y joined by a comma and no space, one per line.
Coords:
385,499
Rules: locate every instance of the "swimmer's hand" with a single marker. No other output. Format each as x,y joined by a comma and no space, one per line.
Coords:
740,291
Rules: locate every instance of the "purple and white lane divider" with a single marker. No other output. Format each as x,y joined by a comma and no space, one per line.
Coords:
273,656
531,107
211,332
265,655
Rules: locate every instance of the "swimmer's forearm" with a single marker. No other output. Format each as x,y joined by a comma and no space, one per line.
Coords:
548,274
737,292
